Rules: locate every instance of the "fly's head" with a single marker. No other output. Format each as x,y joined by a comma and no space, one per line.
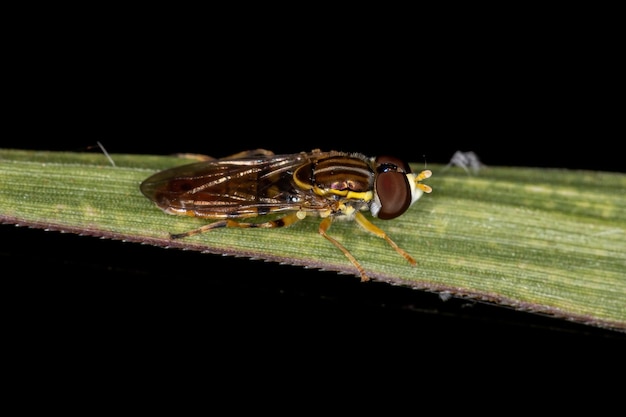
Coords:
396,187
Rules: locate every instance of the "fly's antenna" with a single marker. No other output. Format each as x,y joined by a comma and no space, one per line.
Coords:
425,174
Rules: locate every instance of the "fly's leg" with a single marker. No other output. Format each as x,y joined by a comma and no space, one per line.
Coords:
324,226
245,154
249,154
282,222
370,227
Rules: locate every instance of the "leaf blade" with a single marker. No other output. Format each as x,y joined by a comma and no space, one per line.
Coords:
549,241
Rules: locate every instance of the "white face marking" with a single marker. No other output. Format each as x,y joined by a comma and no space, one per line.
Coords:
416,193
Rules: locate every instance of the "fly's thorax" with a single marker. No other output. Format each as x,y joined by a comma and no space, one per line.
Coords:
342,176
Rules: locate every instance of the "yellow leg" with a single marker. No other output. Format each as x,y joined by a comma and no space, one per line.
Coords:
282,222
370,227
324,226
245,154
249,154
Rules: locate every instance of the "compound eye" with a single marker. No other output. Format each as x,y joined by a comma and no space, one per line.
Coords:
391,163
394,193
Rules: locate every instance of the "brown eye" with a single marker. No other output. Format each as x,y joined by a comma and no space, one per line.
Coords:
394,193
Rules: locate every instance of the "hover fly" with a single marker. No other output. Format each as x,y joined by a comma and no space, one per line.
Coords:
332,185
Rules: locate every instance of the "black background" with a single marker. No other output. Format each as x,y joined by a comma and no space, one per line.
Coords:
521,96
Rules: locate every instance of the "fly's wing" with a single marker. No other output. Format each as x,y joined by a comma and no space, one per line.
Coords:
244,187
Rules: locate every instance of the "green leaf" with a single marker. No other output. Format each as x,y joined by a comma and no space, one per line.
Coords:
544,240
